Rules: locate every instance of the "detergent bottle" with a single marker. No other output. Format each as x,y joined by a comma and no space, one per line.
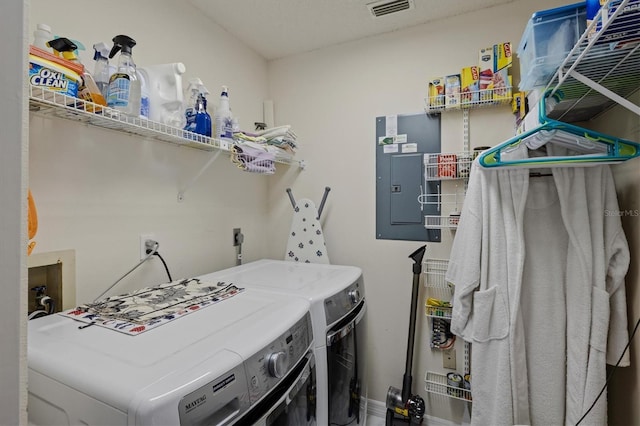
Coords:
223,118
166,98
101,69
203,119
41,36
124,86
190,110
88,89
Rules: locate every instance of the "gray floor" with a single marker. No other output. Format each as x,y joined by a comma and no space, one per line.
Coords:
375,420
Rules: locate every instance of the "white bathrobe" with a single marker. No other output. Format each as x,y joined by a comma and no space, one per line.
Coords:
538,266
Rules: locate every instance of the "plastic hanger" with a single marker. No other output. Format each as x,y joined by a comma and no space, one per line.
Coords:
591,147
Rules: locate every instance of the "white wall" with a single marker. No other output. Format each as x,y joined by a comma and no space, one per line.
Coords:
98,190
333,96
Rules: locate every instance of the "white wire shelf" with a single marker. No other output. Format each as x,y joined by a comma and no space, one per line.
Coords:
436,383
52,104
441,222
602,68
447,166
438,312
48,103
469,100
434,271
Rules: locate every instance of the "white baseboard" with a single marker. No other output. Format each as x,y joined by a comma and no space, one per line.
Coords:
379,409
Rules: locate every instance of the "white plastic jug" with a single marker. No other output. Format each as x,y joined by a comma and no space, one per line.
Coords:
164,83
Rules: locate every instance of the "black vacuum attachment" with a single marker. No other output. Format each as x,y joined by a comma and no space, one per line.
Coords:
402,407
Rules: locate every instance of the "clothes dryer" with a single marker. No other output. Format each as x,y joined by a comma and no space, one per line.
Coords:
245,360
338,307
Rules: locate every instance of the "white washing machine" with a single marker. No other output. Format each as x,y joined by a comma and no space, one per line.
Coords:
245,360
338,308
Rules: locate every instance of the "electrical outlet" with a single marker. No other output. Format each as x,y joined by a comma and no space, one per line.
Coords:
449,359
238,238
143,245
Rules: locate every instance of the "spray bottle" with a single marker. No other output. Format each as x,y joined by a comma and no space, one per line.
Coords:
124,86
193,90
88,90
203,119
223,119
101,70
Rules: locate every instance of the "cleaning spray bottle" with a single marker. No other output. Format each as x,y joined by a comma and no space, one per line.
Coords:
124,86
88,89
101,70
223,119
191,100
203,119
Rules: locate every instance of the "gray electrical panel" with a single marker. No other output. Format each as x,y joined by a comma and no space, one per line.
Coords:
401,144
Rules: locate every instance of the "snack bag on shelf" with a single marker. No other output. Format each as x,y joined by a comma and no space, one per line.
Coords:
502,62
436,93
485,65
469,85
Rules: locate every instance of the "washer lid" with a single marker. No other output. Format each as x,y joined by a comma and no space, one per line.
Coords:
112,367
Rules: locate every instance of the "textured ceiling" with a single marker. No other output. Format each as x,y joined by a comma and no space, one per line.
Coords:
279,28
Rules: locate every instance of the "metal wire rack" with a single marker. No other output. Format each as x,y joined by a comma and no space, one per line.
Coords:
469,100
602,68
49,103
436,383
445,166
52,104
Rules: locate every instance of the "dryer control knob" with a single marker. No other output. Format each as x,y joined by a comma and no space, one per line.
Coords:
354,296
277,364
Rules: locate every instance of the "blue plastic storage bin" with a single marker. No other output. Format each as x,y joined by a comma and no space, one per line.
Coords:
546,41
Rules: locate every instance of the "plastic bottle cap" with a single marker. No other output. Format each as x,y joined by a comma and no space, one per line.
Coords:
44,27
180,68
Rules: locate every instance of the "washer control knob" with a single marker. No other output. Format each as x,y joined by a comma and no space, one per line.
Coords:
354,296
277,364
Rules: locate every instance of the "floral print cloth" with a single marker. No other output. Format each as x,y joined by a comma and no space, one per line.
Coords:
150,307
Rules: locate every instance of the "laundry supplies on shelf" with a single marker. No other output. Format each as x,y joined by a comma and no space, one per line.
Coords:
165,91
124,85
101,69
223,117
197,119
88,90
41,36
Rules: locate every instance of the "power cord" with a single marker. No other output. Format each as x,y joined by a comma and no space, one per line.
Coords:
150,252
606,383
166,268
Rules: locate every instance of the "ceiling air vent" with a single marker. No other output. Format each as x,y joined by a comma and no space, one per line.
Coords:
387,7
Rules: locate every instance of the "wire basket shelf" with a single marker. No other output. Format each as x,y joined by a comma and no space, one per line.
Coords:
438,312
442,222
446,166
468,100
435,270
436,383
